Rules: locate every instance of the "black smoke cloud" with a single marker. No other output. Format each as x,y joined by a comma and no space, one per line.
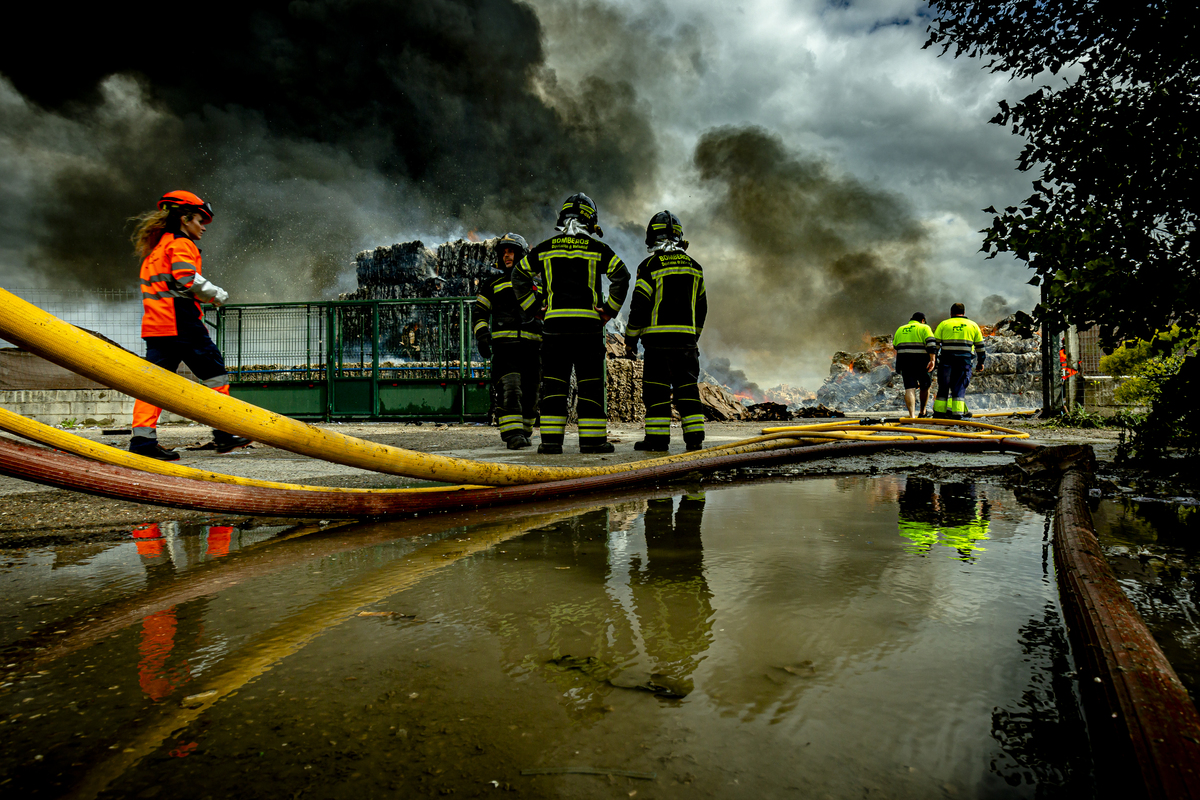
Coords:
818,259
314,127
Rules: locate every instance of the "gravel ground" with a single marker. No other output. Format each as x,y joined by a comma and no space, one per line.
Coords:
32,515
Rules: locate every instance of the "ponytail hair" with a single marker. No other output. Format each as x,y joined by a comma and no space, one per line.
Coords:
151,226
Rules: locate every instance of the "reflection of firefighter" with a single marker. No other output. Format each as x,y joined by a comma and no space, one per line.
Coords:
159,673
667,315
218,540
953,517
514,346
673,601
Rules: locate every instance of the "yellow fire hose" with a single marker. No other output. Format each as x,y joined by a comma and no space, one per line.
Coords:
54,340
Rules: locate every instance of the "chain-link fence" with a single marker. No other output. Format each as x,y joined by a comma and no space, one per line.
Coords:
115,314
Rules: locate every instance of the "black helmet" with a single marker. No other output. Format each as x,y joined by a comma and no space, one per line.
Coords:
511,240
664,225
579,206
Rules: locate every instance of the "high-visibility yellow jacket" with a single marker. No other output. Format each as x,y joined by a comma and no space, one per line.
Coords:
914,338
959,337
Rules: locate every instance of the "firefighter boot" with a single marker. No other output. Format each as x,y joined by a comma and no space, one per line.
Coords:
653,444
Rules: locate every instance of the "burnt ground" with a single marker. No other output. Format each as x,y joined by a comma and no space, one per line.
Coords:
33,516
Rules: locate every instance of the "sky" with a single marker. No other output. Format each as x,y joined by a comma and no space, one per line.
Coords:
829,172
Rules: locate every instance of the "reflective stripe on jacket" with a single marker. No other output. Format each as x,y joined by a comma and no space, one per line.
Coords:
496,310
569,269
168,274
958,336
914,338
669,305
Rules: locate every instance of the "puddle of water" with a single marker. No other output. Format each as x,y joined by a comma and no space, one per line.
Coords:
1154,550
822,637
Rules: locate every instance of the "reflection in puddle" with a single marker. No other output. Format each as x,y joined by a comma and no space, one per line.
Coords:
1154,549
755,640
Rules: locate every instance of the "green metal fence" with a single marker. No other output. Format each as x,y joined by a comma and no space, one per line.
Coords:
368,359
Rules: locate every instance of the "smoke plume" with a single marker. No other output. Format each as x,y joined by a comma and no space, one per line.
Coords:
315,127
814,260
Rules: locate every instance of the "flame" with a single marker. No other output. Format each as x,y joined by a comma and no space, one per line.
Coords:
472,236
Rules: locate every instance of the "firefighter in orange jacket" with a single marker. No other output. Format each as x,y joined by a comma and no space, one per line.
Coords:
172,319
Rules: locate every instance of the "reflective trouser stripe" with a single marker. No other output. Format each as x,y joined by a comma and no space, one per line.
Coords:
592,428
145,433
553,426
217,382
954,375
672,373
658,426
516,366
584,353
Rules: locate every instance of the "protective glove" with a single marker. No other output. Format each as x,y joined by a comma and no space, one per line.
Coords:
483,340
980,357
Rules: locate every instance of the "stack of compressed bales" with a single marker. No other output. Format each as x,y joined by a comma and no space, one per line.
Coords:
412,270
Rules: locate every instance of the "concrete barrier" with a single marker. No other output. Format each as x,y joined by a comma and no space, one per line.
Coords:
106,408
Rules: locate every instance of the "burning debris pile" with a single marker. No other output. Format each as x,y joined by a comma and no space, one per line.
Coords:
412,270
1011,377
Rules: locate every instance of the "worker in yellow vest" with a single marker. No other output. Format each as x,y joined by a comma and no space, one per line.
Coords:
961,346
916,352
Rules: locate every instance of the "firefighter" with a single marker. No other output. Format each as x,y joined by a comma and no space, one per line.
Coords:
667,316
961,345
172,319
513,346
916,353
568,266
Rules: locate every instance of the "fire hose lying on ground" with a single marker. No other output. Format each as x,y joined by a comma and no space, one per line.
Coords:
128,476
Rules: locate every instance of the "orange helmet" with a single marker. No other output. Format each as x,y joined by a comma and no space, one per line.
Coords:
184,199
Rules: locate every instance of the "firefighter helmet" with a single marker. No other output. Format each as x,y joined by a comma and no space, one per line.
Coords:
186,200
581,207
514,241
664,225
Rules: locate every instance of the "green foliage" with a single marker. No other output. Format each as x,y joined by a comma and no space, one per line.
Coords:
1171,385
69,423
1126,359
1112,223
1145,385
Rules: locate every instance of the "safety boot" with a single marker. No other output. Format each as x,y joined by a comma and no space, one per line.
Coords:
517,442
150,448
225,442
653,444
605,447
549,449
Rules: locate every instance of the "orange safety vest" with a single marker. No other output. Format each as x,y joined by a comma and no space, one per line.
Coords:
167,277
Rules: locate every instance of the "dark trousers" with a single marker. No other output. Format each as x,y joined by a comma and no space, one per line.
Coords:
583,352
203,359
672,372
516,373
954,375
